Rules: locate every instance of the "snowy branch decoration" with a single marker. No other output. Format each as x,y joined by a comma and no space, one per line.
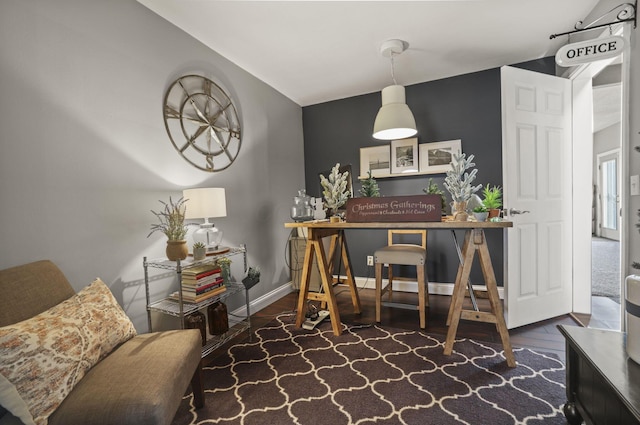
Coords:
458,180
335,189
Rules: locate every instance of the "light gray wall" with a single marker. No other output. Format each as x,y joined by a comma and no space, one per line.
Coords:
84,154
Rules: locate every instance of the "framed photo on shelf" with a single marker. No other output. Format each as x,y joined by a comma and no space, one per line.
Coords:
436,157
404,156
375,159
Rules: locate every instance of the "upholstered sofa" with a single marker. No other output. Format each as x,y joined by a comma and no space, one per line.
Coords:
68,358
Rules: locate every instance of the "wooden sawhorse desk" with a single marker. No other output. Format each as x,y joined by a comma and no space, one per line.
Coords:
474,242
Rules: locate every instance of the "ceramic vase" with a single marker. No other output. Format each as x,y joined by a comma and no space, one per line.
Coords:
197,320
177,250
218,318
632,312
199,253
494,212
481,216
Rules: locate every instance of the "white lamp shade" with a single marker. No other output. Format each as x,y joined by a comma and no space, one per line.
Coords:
394,119
205,202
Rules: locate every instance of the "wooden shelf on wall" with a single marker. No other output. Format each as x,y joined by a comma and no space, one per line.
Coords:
386,176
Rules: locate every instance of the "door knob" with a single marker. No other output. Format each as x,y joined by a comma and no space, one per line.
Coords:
516,212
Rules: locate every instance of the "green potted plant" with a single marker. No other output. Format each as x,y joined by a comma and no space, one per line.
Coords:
370,187
434,189
199,251
335,190
458,183
480,213
252,277
492,199
171,223
225,267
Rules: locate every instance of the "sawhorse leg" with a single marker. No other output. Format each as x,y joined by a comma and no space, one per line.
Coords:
475,240
315,247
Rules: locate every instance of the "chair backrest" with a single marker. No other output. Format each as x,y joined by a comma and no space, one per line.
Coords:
422,233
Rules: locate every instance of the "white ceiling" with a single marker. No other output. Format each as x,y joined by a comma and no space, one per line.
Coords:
317,51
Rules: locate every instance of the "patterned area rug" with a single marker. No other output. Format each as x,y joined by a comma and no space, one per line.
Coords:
372,374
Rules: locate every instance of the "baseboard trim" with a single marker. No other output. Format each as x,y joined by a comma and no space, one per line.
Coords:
265,300
436,288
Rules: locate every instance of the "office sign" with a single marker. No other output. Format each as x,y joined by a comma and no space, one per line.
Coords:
394,208
590,51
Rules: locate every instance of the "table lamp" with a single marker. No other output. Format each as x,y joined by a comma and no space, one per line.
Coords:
206,203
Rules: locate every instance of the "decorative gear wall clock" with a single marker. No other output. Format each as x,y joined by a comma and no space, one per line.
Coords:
202,123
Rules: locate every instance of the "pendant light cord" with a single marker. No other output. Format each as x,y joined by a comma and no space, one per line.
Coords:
393,76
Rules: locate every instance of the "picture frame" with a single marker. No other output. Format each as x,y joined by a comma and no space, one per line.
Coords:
404,156
376,159
436,157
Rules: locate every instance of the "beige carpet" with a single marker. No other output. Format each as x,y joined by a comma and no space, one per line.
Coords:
605,268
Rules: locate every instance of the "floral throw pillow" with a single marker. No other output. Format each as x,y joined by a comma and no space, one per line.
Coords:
42,358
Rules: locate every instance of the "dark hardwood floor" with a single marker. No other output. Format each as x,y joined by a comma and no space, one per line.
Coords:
605,314
542,336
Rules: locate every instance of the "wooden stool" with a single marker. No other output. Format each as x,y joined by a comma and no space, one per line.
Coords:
404,254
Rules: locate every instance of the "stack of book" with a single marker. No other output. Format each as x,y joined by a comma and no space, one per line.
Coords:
201,283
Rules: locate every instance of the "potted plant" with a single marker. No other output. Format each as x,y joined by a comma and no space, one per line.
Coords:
225,268
370,187
252,277
480,213
433,189
335,190
492,199
199,251
171,223
458,183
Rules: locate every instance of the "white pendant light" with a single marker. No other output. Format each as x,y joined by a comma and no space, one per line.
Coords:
394,119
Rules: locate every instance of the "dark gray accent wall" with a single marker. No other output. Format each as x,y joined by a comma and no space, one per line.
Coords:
465,107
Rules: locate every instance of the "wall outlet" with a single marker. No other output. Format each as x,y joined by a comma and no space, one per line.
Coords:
369,260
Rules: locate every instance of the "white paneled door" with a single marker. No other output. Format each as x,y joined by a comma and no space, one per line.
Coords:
536,149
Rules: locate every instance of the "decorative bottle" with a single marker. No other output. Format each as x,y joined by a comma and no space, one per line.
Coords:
197,320
302,209
218,318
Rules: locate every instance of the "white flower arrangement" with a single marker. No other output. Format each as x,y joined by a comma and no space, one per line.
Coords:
335,188
458,180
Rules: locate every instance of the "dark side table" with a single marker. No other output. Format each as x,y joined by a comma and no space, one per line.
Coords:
603,383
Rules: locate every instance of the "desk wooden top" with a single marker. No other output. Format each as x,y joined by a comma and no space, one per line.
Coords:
445,224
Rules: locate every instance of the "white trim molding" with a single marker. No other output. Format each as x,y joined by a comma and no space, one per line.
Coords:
362,283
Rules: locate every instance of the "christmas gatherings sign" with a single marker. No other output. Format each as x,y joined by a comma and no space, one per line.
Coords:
395,208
